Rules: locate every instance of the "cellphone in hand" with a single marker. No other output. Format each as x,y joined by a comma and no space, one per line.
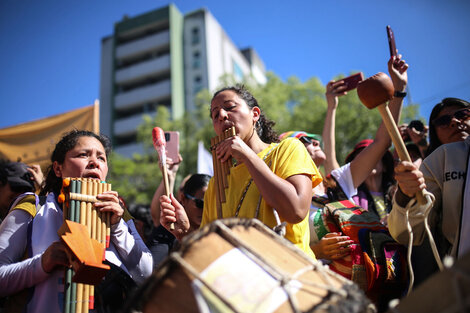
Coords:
391,41
352,81
172,139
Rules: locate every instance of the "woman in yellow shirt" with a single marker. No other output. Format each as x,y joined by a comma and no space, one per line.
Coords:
267,176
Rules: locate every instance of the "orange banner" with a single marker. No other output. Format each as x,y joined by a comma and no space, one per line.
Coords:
33,142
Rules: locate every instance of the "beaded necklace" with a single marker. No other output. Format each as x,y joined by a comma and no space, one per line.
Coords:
248,186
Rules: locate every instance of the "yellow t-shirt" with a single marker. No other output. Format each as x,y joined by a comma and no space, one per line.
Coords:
288,158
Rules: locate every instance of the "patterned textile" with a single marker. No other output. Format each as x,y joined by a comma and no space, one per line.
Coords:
351,218
388,269
377,263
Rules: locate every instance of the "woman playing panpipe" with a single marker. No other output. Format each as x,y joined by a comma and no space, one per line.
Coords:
32,259
268,175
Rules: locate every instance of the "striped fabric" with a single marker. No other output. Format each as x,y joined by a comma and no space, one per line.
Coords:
377,263
351,218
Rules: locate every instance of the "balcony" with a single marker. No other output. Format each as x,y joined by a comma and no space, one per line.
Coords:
138,96
144,45
144,69
129,149
128,126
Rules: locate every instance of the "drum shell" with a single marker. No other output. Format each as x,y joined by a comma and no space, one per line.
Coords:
170,289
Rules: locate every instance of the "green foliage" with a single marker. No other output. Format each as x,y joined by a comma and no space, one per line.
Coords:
411,112
135,179
293,105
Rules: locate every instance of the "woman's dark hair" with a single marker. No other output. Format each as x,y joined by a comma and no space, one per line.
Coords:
434,141
196,182
3,173
264,126
67,143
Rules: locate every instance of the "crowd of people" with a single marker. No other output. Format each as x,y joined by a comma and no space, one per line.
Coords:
287,180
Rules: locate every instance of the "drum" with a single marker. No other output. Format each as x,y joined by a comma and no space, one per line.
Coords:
240,265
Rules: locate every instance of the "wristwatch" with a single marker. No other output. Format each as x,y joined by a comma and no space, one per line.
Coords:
399,94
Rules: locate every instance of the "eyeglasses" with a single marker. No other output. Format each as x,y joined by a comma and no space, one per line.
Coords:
445,120
308,140
199,202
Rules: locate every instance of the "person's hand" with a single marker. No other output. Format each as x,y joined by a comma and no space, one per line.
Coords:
173,166
403,130
173,212
418,137
397,68
233,147
109,202
37,175
333,246
334,89
409,178
55,256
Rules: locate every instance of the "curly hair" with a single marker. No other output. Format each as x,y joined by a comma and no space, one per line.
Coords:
264,126
69,140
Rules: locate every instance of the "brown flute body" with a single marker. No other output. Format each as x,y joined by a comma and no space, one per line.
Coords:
221,169
78,196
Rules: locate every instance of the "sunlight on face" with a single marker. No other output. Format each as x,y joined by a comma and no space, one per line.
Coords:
87,159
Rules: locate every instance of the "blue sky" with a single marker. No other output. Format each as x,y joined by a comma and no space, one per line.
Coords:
51,48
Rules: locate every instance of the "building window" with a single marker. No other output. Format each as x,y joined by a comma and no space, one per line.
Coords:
197,86
237,71
195,36
196,59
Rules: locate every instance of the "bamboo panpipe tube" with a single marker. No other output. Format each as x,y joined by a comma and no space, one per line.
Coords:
78,207
221,169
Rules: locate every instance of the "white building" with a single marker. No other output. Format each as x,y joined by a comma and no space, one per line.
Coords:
164,58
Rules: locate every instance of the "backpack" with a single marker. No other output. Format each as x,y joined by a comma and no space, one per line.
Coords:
377,263
110,295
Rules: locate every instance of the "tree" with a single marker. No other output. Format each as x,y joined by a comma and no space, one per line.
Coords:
293,105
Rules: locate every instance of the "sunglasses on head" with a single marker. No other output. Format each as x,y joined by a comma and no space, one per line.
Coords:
308,140
446,119
199,202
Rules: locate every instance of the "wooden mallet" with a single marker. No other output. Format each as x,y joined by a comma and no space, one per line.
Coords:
159,144
375,92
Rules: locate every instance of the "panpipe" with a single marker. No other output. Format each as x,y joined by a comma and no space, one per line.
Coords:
86,232
221,169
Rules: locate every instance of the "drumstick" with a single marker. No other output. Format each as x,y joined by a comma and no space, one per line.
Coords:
374,92
159,143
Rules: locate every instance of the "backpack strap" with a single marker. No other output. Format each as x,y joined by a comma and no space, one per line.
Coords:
28,202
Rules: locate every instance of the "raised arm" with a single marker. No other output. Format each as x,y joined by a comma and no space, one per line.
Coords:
366,160
155,205
334,89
